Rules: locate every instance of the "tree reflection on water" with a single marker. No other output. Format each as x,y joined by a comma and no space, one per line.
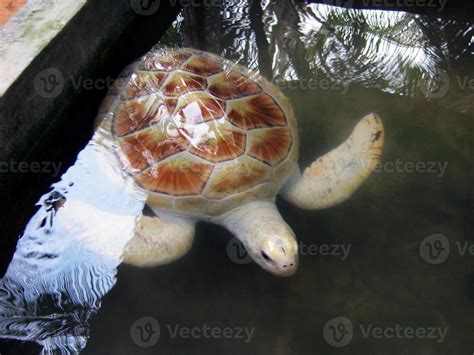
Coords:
399,53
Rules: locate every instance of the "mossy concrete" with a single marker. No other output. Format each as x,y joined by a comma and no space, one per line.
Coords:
74,48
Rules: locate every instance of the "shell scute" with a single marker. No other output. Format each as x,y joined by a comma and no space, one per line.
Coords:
179,83
258,111
134,115
199,107
144,148
270,145
237,176
233,85
176,176
202,66
199,137
143,83
218,142
164,60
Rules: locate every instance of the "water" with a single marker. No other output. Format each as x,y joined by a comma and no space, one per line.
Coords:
67,258
335,65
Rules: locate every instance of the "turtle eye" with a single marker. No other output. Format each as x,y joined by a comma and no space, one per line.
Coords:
266,257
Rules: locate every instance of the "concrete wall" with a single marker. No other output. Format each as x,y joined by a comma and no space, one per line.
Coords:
50,126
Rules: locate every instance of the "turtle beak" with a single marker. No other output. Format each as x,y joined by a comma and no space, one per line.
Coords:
280,257
287,270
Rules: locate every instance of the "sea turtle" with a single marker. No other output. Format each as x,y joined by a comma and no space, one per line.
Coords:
210,140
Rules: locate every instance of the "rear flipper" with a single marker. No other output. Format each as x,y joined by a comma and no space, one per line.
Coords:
333,178
159,240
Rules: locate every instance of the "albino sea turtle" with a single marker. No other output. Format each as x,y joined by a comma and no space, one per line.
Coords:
210,140
205,139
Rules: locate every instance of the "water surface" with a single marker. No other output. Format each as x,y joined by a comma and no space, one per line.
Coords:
335,65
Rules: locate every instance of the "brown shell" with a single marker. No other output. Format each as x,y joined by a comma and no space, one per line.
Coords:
200,133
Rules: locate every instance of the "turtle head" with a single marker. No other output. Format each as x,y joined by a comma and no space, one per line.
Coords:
274,247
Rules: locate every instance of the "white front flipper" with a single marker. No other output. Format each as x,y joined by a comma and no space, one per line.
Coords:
159,240
69,252
334,177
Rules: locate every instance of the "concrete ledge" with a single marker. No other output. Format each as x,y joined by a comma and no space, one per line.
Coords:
53,53
28,32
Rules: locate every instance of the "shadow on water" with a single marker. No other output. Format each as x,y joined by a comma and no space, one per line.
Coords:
335,65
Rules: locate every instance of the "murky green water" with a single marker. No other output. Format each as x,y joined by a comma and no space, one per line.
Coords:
367,259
